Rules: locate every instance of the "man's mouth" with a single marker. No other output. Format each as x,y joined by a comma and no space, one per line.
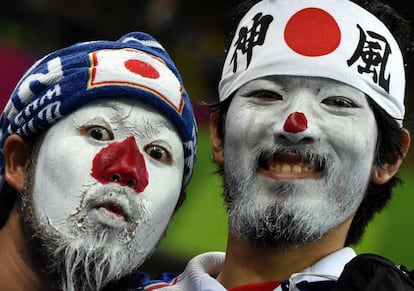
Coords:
111,213
290,165
113,209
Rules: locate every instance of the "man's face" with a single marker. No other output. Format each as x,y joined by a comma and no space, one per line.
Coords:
298,155
108,177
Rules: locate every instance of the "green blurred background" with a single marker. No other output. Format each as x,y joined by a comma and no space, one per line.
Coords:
192,32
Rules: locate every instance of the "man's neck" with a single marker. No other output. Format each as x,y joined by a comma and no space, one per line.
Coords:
15,272
246,264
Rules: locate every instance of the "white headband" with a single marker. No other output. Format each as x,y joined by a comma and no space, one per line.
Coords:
333,39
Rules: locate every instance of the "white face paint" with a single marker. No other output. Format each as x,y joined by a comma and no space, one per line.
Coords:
291,180
68,197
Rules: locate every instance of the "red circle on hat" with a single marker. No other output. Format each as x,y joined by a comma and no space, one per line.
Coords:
312,32
141,68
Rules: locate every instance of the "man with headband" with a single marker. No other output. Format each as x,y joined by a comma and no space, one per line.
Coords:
309,138
98,144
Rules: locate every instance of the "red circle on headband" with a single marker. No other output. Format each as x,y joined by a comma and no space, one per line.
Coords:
312,32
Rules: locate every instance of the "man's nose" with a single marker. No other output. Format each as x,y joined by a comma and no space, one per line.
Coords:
121,163
296,122
294,131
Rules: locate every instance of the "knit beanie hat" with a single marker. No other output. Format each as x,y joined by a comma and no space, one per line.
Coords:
134,67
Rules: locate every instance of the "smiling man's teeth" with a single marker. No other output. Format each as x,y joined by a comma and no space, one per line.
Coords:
288,168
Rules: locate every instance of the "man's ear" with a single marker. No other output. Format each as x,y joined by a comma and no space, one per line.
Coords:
382,174
16,156
216,142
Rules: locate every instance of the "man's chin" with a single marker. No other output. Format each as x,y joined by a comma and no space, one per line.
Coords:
82,253
87,259
90,263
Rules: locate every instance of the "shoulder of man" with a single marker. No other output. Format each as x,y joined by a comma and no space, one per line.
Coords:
139,281
370,272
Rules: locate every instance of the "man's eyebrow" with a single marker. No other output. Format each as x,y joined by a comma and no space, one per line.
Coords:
157,124
149,128
112,105
144,127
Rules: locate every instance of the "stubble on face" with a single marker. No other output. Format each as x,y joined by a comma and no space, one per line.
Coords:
281,215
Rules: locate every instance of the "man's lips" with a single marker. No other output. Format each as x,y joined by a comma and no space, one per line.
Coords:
287,166
112,212
113,209
112,205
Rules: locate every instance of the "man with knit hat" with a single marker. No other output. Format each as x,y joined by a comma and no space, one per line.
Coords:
308,136
98,144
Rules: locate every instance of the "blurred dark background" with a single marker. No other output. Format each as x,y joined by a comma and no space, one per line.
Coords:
192,33
189,30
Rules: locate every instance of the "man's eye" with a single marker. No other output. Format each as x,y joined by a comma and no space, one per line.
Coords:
99,133
266,95
158,153
339,101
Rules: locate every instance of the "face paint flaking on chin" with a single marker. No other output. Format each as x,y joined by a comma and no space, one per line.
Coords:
113,208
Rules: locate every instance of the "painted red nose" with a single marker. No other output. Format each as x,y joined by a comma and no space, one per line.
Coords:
122,163
296,122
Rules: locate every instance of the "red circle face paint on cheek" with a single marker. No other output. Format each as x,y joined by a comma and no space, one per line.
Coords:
296,122
122,163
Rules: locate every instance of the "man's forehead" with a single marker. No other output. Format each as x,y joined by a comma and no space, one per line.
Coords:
126,112
323,83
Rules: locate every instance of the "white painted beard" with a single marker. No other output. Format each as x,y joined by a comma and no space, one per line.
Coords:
279,215
91,265
87,259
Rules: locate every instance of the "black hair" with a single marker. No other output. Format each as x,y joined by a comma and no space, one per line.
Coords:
7,200
389,145
389,148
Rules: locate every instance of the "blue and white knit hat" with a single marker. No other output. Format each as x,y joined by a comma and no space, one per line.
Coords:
136,67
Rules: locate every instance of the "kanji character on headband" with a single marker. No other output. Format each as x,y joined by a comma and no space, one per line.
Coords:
98,145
